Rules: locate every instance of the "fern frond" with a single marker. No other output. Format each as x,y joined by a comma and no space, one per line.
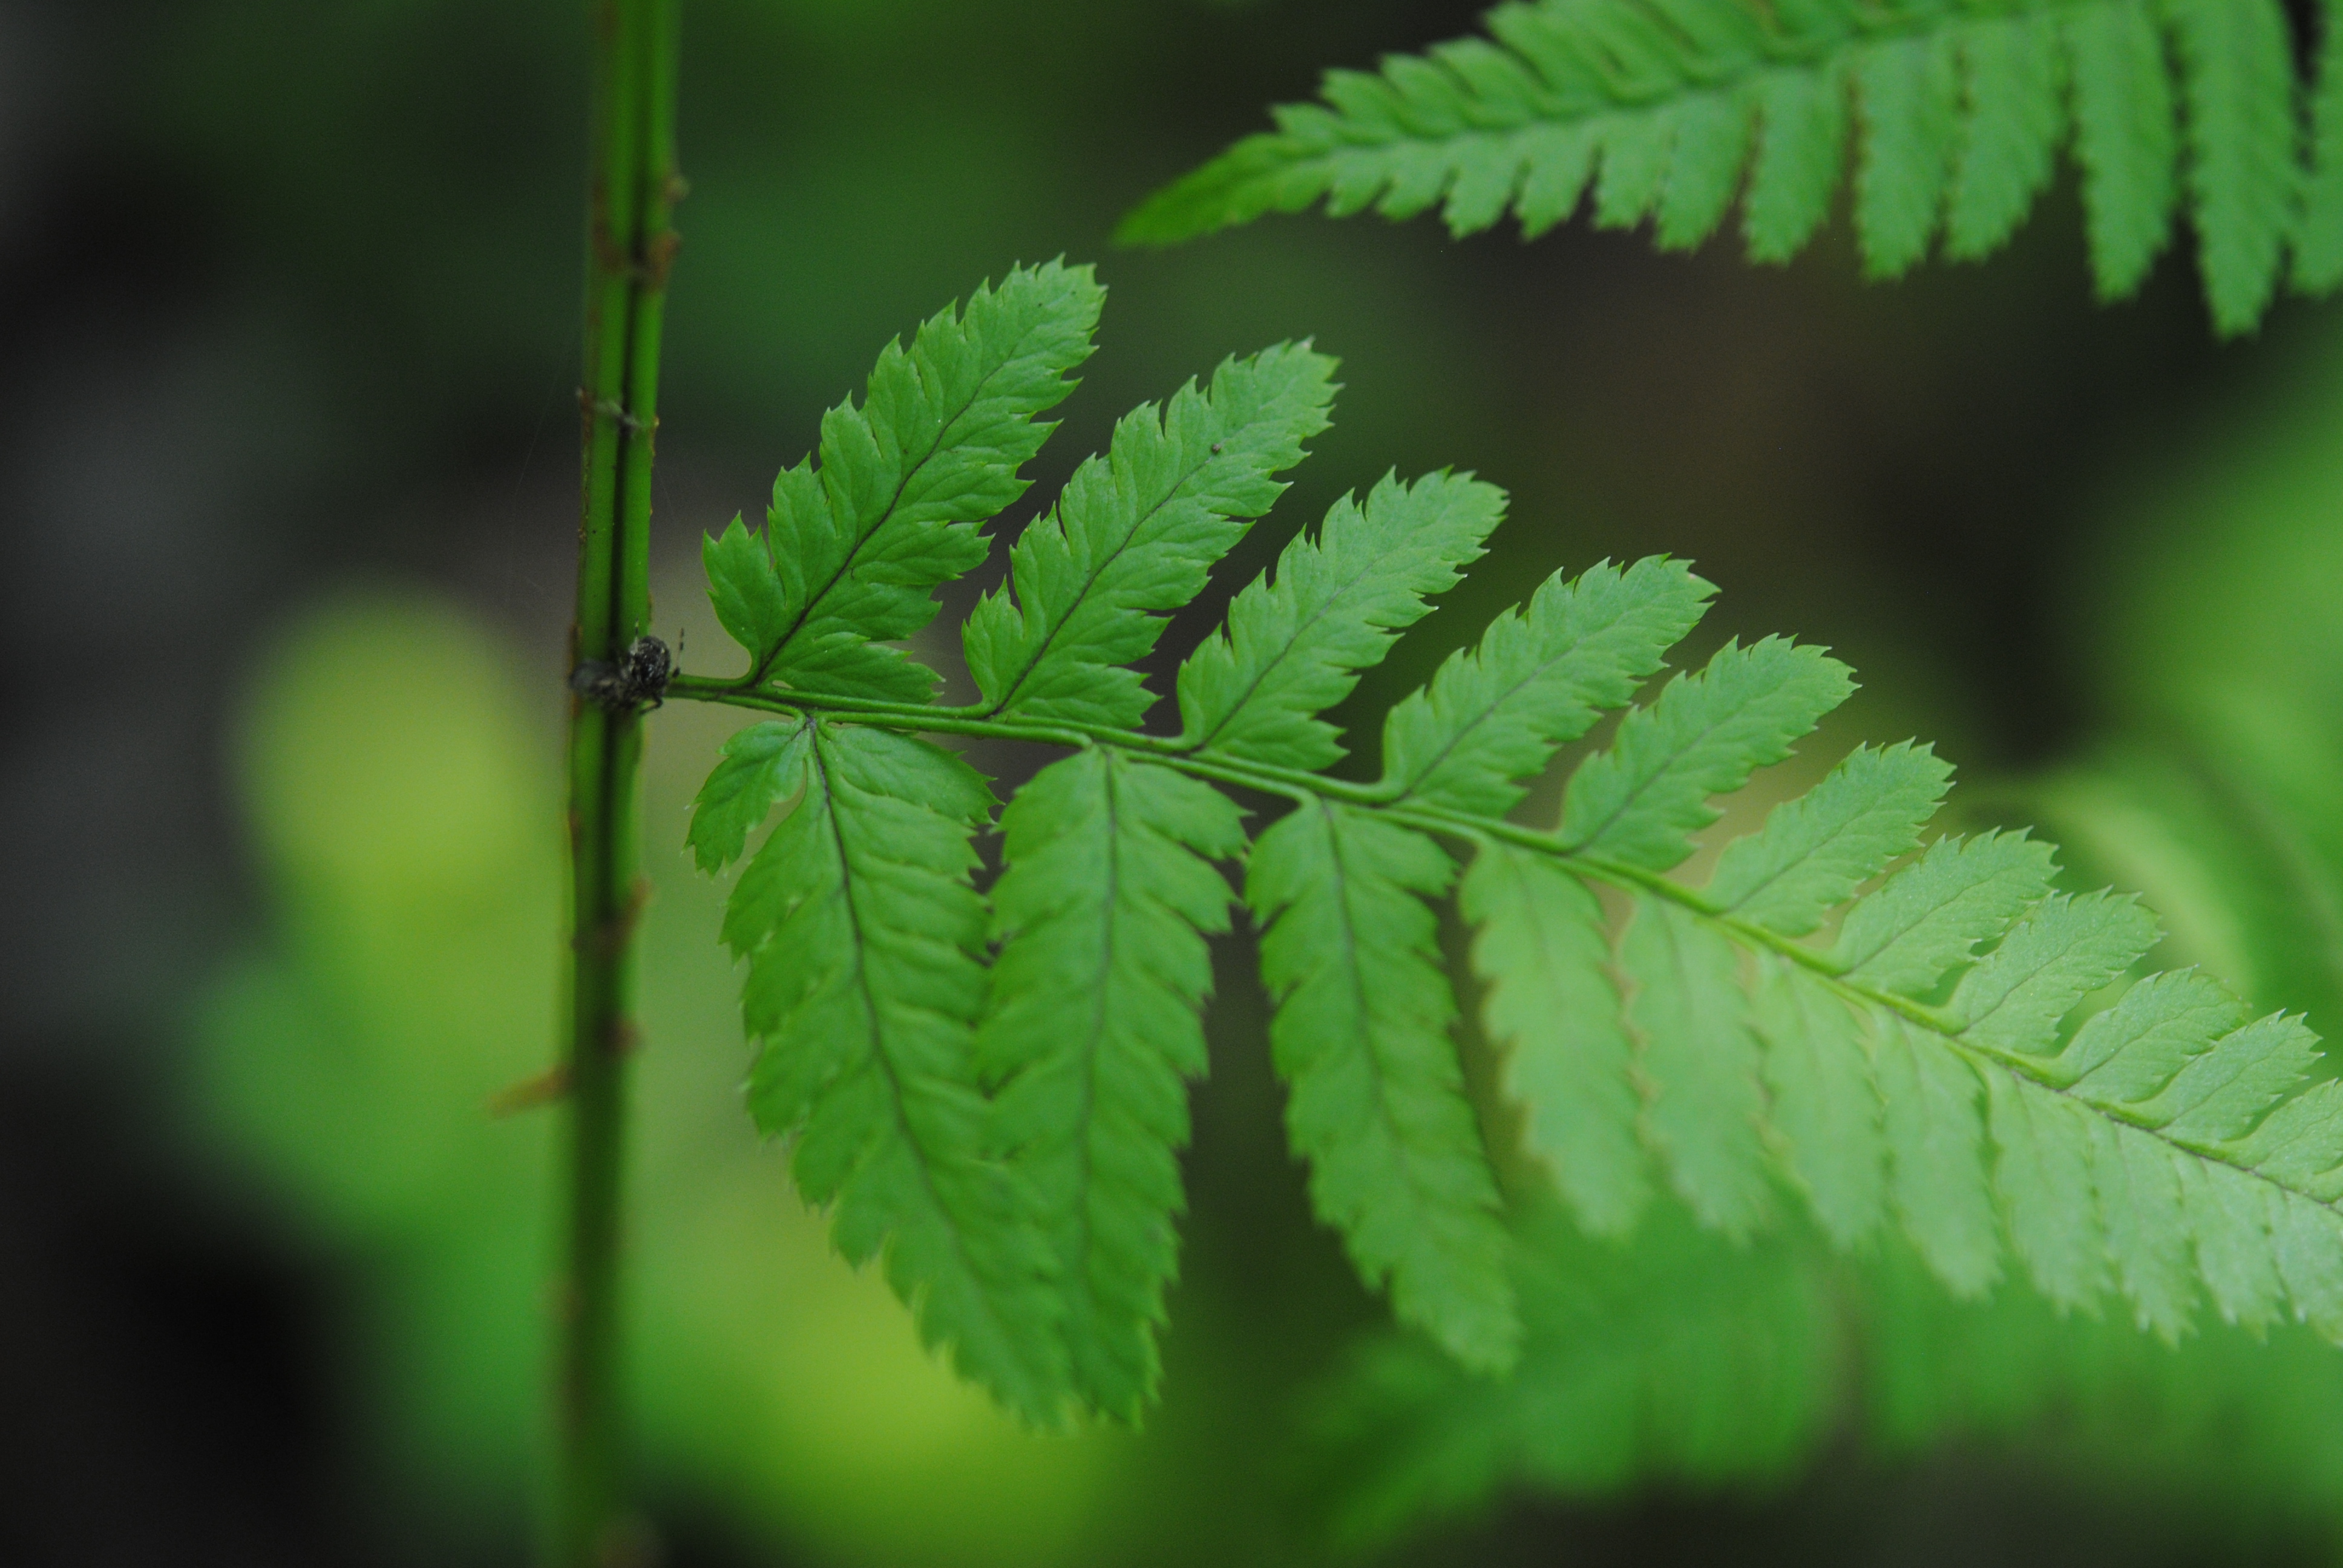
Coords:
1954,113
852,548
863,940
1093,1025
1958,1056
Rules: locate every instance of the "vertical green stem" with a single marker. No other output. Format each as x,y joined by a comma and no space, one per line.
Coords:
629,246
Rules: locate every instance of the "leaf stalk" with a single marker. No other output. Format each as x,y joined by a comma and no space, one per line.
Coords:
630,245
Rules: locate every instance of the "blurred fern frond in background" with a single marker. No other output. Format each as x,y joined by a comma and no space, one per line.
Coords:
1952,112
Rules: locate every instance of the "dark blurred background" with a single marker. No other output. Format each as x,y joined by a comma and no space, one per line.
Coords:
287,302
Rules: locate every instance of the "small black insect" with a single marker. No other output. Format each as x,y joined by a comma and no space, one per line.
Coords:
639,677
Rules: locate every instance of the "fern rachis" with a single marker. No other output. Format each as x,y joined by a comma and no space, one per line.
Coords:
987,1086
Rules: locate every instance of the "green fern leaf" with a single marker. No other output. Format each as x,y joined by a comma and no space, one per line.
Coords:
2228,1216
2238,78
2010,136
863,940
1909,91
2308,1240
1494,714
2067,949
1294,644
1931,915
2318,240
2221,1094
1699,1058
2044,1179
1092,1025
1824,1103
1552,1006
763,765
1973,1062
851,549
1673,109
1802,118
2127,139
2138,1182
1817,850
1377,1104
1136,532
1707,733
2300,1146
1936,1141
2133,1048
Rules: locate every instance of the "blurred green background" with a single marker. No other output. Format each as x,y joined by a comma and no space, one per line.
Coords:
290,293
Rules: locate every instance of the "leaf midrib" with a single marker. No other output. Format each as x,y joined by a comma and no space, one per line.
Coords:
1079,1265
878,1054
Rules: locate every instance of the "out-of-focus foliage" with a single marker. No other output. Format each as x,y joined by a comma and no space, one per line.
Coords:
1957,113
2222,655
403,797
1683,1359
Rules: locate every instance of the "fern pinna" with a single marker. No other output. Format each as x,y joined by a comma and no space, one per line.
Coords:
1957,109
987,1088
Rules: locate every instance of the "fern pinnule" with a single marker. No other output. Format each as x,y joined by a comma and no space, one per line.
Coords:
1376,1103
1091,1026
1552,1008
1296,641
1496,712
1697,1059
863,940
1135,532
1639,799
852,547
1817,850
